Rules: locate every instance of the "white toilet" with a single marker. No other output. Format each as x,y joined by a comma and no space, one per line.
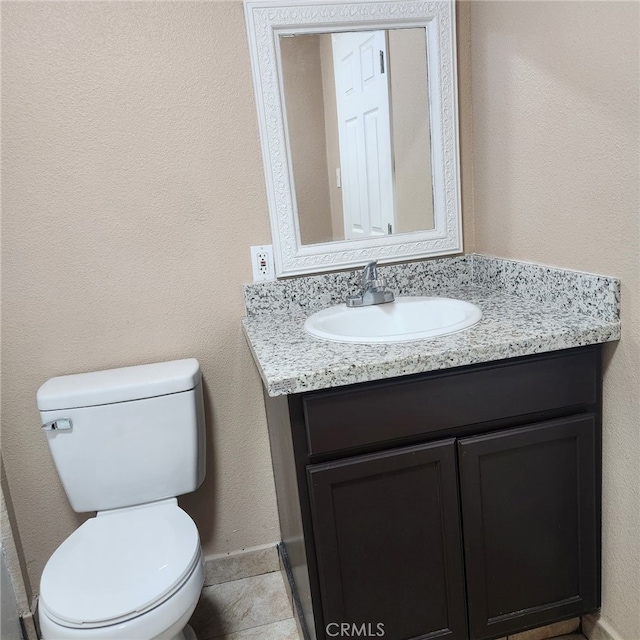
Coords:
125,443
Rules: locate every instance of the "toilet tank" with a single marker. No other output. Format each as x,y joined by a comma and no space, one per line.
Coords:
126,436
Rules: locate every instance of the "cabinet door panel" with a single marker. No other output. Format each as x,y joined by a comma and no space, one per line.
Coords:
388,542
530,522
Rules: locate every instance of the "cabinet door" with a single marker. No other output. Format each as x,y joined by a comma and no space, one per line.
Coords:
531,525
388,543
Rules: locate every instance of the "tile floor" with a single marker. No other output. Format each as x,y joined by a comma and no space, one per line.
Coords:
258,608
255,608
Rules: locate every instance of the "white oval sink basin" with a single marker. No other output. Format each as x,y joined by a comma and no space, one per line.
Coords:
407,318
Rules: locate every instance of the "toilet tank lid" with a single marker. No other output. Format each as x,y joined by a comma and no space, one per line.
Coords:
118,385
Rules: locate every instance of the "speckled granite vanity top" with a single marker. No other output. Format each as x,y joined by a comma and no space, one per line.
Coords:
526,308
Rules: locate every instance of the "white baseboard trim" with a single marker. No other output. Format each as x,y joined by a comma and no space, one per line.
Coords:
597,628
245,563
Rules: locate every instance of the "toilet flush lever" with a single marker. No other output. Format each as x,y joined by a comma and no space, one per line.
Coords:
61,424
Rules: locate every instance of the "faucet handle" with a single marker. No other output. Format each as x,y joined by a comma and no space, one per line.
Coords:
374,288
369,273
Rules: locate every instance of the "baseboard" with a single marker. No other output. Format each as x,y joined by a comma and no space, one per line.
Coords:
240,564
597,628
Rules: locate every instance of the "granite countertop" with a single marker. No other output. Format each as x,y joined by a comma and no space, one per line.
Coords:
518,319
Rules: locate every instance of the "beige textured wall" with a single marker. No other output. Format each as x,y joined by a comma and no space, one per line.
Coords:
557,179
303,88
465,122
132,190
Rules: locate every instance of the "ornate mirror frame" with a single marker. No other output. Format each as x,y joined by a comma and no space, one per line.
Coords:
266,21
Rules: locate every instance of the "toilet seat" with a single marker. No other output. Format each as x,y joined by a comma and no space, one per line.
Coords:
119,565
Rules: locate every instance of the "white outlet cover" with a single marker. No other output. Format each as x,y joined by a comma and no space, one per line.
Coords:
262,263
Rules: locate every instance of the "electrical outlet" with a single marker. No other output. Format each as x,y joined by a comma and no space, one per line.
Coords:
262,263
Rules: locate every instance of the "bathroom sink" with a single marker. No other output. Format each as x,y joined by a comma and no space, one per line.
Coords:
407,318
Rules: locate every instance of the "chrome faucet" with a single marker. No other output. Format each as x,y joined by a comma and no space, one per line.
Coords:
374,288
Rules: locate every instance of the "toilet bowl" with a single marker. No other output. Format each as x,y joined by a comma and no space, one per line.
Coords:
125,442
127,574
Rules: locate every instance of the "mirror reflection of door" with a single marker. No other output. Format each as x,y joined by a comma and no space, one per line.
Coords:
392,187
364,133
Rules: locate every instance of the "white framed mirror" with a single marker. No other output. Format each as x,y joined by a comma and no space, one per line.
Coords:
358,117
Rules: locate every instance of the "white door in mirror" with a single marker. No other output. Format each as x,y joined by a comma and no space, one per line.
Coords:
364,132
408,318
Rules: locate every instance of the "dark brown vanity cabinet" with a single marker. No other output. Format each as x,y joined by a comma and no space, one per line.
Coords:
459,504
